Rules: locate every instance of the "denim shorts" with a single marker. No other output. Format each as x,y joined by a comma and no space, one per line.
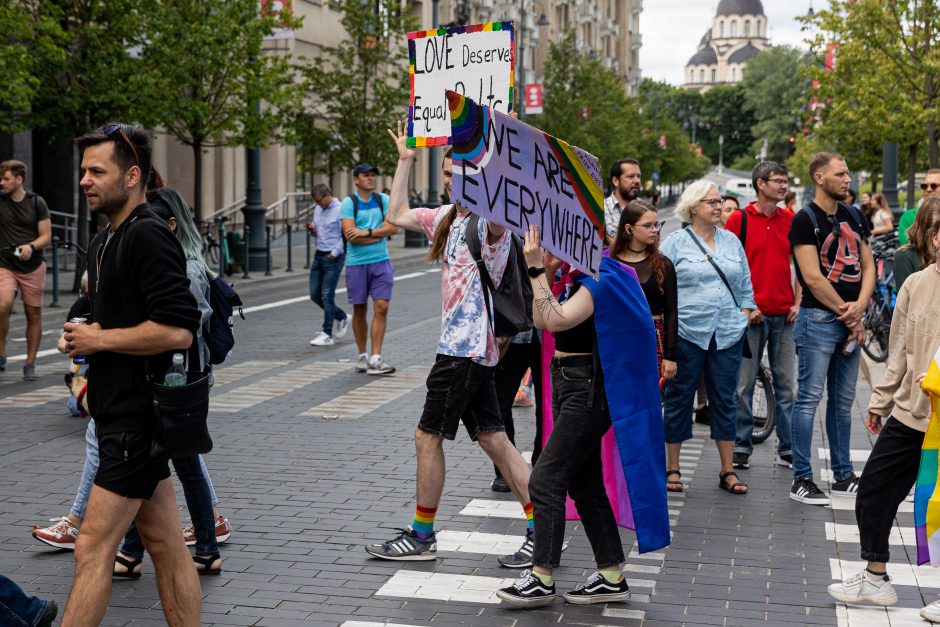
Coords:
459,389
373,280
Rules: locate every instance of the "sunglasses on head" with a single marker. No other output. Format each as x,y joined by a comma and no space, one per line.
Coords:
112,129
931,186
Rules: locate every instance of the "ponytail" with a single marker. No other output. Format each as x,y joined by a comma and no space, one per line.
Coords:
155,181
441,233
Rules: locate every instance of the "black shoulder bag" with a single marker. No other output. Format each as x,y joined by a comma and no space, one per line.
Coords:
746,351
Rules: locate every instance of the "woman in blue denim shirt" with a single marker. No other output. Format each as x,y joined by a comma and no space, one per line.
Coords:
712,326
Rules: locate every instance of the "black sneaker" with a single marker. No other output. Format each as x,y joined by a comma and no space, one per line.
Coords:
499,485
846,487
521,558
48,615
527,592
406,547
740,461
805,491
598,590
785,460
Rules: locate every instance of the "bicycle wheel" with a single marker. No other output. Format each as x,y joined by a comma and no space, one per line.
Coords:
763,406
877,331
212,254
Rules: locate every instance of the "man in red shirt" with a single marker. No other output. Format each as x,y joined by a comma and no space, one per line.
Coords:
764,230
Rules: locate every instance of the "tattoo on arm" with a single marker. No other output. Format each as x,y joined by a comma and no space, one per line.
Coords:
548,304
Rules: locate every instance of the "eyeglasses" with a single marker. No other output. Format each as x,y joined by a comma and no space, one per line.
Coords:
110,130
649,226
931,186
779,181
714,202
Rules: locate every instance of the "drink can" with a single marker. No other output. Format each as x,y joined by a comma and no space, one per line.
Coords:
79,359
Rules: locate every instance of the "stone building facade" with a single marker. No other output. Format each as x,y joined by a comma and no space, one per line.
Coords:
738,33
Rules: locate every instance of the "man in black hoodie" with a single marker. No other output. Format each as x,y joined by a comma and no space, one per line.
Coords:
142,312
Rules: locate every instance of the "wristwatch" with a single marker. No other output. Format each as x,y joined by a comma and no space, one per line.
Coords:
370,233
536,272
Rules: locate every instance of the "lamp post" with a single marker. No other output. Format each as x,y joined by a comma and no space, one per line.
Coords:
721,153
543,21
434,195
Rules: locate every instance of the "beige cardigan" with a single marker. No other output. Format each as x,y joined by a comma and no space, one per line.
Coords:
915,336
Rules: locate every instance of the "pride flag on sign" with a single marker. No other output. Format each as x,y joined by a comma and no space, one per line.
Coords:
926,493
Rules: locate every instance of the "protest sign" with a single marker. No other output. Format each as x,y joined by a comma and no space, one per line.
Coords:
515,175
476,61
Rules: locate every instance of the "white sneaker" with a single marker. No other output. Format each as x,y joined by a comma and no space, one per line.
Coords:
910,495
362,364
322,340
931,612
380,367
340,327
860,588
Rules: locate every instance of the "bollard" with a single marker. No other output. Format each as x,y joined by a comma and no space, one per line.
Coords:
267,250
309,236
65,259
245,256
223,248
290,251
55,271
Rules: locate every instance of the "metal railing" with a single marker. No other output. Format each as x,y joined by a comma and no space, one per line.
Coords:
231,213
294,209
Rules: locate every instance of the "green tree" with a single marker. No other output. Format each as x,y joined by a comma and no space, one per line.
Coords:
773,89
359,88
28,40
209,79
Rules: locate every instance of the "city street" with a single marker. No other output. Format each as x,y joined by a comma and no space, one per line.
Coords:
312,461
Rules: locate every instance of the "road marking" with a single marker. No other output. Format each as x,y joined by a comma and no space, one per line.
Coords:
900,536
856,455
827,477
616,612
869,616
371,396
231,374
274,386
491,508
444,587
478,542
845,503
36,397
902,574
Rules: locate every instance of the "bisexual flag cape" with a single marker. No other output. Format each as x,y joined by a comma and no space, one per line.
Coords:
926,494
633,451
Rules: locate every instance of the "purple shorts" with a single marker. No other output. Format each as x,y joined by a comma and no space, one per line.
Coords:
372,279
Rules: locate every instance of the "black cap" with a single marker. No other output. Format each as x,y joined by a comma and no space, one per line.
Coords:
364,168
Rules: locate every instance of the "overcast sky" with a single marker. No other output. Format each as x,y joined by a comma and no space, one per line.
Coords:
672,30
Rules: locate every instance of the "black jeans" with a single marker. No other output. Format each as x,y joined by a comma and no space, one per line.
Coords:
890,472
571,464
509,373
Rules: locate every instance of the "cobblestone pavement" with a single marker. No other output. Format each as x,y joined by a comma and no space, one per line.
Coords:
313,461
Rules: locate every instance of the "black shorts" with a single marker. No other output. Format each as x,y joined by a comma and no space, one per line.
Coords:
460,389
125,466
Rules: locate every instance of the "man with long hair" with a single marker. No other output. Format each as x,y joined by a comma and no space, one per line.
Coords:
461,385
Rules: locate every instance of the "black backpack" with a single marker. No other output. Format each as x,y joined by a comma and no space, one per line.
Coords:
218,336
512,300
355,203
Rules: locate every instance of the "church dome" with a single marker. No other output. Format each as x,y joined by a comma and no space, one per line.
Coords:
706,56
740,7
744,54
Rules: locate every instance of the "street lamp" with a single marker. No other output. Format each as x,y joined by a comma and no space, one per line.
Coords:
542,21
721,153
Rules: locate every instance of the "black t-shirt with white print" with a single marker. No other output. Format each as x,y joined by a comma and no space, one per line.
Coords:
839,244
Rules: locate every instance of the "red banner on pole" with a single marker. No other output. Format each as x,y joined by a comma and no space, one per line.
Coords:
533,98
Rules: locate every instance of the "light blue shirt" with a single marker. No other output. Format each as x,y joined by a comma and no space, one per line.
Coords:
706,308
329,229
369,216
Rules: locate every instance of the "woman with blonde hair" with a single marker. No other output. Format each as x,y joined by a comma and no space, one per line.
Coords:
919,252
881,219
716,301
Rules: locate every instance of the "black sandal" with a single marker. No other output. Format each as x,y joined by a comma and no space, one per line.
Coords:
130,565
204,564
733,487
669,482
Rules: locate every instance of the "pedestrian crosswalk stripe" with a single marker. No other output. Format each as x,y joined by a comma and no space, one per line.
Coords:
616,612
902,574
478,542
870,616
490,508
231,401
844,503
444,587
237,372
856,454
900,536
827,477
359,623
36,397
365,399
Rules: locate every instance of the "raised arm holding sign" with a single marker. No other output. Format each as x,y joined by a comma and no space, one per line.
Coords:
515,175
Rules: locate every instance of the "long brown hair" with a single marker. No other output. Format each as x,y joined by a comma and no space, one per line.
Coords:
441,233
921,233
630,216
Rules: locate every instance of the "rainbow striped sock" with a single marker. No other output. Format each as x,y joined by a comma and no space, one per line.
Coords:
529,516
423,524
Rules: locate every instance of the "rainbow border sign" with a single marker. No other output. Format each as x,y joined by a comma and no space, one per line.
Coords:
516,175
476,61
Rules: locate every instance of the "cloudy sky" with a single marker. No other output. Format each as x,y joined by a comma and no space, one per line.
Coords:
672,30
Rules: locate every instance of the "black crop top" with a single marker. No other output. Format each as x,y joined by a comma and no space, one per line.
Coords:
663,304
577,339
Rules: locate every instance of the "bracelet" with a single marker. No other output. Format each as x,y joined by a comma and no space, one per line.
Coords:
536,272
33,247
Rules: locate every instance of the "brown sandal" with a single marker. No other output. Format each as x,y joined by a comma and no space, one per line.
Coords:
671,484
734,487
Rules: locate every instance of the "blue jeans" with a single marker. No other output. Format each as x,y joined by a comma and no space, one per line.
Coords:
819,339
91,468
199,498
777,336
17,609
721,375
324,275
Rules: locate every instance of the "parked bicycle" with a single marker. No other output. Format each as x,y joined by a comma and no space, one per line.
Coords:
880,310
763,403
211,247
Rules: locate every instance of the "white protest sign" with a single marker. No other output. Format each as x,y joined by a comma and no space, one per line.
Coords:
475,61
516,175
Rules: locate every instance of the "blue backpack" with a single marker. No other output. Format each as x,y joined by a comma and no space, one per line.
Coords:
218,335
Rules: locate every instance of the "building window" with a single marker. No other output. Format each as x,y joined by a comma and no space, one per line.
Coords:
734,28
734,74
747,28
701,76
721,30
691,76
714,76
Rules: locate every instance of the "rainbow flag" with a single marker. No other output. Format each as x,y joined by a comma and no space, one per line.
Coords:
926,494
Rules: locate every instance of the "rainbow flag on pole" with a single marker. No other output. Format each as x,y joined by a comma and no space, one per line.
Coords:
926,493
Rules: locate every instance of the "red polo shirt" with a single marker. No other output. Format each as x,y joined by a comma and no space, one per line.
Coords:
767,247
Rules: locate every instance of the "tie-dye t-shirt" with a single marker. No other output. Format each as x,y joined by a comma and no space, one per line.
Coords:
465,325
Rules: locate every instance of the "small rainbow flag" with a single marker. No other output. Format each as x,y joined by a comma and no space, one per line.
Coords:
926,494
